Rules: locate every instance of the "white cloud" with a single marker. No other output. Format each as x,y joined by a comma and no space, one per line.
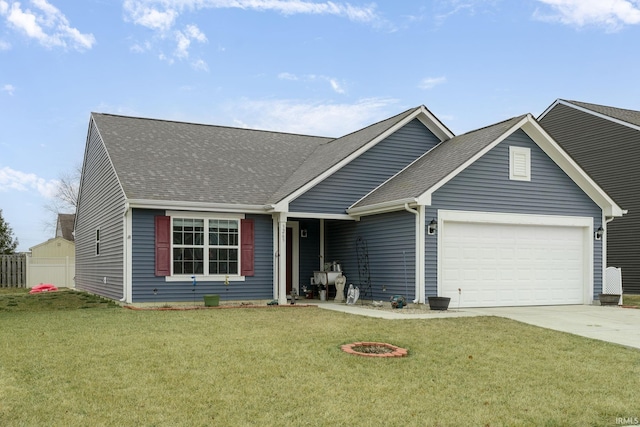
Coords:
337,87
431,82
161,15
611,14
149,17
5,45
313,118
46,24
287,76
200,65
11,179
9,89
334,83
184,39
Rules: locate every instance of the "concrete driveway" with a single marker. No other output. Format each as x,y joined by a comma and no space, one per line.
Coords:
613,324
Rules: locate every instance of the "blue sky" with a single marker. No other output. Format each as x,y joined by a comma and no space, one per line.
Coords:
305,66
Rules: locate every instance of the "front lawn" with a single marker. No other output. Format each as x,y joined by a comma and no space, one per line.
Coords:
631,300
284,366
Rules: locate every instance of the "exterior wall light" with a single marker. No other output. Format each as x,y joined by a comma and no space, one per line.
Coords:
433,227
599,232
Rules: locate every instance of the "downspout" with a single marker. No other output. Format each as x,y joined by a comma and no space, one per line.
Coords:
419,258
604,246
125,252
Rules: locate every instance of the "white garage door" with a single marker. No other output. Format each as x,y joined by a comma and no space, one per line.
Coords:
497,264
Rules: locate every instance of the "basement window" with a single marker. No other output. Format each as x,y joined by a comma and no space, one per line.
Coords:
519,163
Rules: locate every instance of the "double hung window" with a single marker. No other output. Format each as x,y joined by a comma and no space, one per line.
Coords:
205,246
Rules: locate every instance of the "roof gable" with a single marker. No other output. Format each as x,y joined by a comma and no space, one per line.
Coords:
331,156
416,183
65,225
59,241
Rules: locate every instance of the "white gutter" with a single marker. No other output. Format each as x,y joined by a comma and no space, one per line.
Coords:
394,205
197,206
420,252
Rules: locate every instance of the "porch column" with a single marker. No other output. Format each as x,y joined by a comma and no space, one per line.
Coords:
282,258
420,254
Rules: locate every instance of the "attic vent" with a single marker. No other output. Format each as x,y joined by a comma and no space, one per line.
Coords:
520,163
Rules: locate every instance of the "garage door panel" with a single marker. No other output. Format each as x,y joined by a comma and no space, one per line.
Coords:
512,264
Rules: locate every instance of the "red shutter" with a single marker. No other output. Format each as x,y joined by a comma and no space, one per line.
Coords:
163,246
246,247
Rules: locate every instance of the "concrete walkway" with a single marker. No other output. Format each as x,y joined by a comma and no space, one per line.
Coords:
613,324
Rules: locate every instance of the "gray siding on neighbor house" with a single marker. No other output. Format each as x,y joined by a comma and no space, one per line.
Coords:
144,281
339,191
485,186
390,240
609,153
101,206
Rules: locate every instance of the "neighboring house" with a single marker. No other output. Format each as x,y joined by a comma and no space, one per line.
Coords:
605,142
52,262
64,226
497,216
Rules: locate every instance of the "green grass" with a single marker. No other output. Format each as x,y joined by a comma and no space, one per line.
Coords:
631,300
19,299
283,366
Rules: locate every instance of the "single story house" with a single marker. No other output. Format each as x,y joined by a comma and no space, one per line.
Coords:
497,216
605,142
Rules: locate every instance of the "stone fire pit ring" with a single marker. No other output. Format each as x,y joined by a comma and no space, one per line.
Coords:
374,349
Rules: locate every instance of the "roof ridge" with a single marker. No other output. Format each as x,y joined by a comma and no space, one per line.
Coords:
373,124
491,125
584,104
210,125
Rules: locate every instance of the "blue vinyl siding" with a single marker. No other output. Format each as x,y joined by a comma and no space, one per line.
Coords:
390,240
309,260
485,186
339,191
101,206
144,281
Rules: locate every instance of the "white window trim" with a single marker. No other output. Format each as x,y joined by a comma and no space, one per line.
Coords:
98,238
206,216
515,152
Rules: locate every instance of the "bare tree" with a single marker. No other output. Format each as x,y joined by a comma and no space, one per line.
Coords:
65,199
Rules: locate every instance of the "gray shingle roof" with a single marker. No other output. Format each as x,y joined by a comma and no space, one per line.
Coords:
436,164
166,160
176,161
64,226
629,116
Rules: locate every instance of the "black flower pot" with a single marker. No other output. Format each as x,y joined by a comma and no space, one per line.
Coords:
438,303
609,299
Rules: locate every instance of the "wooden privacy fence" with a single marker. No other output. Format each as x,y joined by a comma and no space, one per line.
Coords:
13,271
